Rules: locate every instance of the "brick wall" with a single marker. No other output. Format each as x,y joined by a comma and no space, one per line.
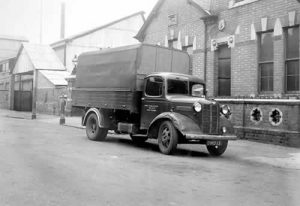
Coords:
4,99
189,24
286,132
238,22
4,90
244,55
48,101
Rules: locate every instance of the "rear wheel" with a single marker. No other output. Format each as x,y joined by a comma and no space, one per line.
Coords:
93,131
167,138
217,150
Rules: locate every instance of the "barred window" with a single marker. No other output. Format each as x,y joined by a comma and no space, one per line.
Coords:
266,56
292,59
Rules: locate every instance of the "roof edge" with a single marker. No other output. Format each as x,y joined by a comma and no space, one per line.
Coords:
140,35
59,43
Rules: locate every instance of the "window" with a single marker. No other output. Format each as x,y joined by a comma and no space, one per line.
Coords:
292,59
4,67
172,19
173,43
177,86
266,61
197,90
154,86
237,3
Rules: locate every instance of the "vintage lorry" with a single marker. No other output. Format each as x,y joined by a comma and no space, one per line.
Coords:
146,92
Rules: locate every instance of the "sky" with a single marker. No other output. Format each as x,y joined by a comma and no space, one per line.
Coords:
23,17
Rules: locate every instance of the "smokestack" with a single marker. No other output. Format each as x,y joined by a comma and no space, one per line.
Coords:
62,20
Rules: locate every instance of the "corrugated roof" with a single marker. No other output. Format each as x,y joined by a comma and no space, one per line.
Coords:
56,77
43,57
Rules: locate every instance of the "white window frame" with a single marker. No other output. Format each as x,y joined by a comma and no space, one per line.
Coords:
233,4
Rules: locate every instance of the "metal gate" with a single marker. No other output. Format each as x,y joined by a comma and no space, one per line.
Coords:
23,101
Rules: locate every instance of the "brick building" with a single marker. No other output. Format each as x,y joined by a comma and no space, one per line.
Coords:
240,47
247,51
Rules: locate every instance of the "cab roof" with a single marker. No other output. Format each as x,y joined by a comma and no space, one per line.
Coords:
179,75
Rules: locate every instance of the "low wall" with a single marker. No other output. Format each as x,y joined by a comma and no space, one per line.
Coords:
274,121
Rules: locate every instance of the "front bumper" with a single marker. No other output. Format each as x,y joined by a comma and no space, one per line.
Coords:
210,137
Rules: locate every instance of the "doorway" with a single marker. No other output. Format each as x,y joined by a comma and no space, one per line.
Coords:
23,92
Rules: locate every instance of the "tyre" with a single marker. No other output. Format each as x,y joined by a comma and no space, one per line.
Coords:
138,139
93,131
167,138
217,150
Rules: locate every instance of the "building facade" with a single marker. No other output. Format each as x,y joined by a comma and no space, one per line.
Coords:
247,48
247,51
6,66
37,80
118,33
9,47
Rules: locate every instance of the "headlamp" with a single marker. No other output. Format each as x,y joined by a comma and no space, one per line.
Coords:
197,107
225,110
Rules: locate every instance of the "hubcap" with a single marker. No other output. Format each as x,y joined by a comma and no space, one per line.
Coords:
93,126
166,137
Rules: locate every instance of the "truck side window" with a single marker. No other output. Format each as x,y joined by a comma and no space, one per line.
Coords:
154,86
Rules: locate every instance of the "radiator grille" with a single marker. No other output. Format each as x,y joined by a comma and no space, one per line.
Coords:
210,119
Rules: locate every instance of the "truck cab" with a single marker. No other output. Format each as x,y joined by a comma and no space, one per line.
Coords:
175,110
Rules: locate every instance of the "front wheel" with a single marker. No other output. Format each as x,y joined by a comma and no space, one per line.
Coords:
93,131
217,150
167,138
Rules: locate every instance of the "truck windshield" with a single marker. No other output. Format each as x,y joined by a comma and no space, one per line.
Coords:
177,86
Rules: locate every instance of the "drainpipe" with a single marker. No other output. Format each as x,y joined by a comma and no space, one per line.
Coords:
205,50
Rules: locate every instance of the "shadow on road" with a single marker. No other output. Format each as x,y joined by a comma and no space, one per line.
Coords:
151,145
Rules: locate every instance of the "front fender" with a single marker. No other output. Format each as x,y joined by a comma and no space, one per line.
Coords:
181,122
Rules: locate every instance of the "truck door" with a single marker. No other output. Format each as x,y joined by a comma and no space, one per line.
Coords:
153,101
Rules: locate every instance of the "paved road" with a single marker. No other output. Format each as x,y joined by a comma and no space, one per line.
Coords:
47,164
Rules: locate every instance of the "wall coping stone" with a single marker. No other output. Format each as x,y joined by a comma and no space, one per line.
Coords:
261,101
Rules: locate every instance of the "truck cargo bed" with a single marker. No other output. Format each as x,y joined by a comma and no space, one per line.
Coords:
114,78
107,98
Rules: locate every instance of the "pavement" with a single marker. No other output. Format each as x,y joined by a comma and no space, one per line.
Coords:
53,119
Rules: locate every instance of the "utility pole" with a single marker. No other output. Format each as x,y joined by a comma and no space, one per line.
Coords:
62,20
41,22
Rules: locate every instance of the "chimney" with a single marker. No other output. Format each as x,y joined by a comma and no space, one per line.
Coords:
62,20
